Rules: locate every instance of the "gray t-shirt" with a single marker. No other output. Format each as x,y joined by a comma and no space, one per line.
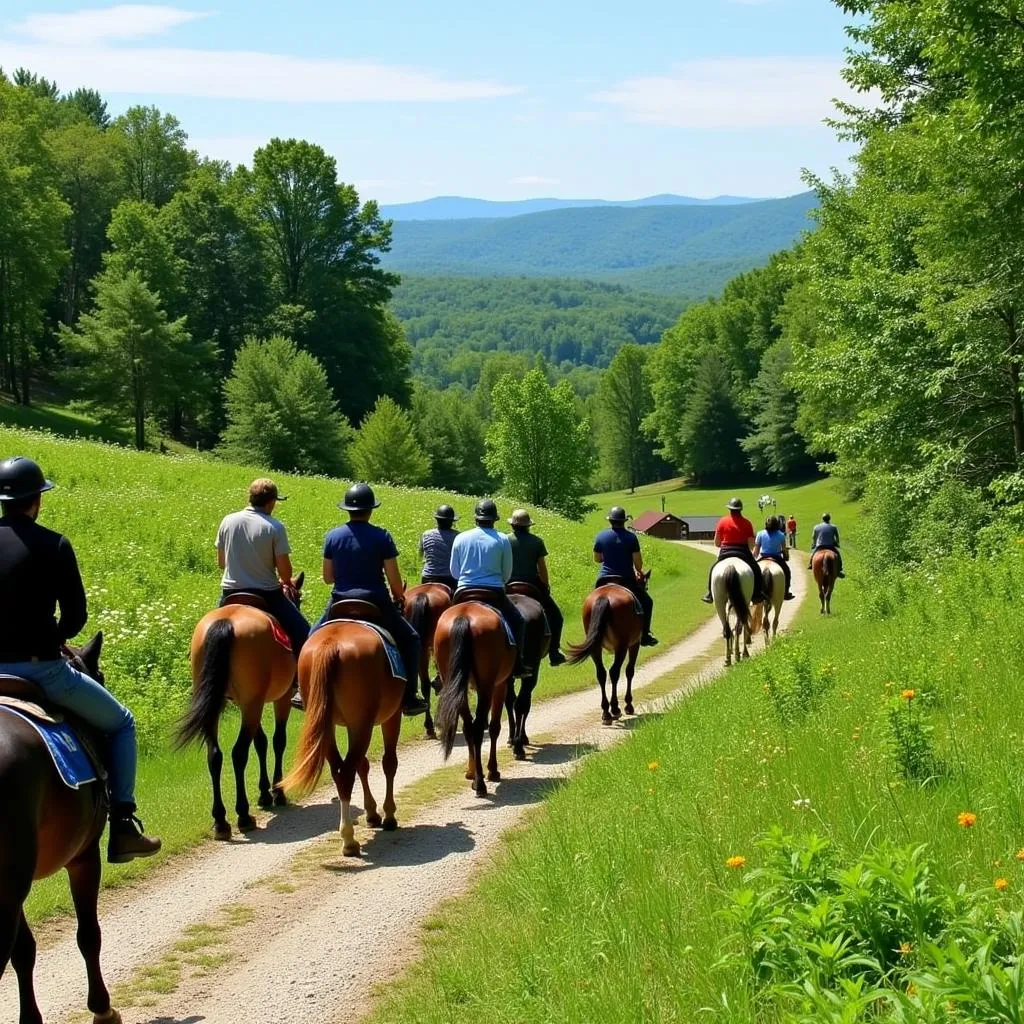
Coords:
825,535
436,550
251,541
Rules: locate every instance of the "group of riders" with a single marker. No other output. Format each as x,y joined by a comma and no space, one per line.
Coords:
39,575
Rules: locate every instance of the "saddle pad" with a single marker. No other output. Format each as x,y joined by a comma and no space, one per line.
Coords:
279,634
637,606
390,647
70,758
32,710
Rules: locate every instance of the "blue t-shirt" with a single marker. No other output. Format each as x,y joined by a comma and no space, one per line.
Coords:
771,543
617,547
358,551
481,558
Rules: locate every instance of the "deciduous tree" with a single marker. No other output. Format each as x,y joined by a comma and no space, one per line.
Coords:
386,448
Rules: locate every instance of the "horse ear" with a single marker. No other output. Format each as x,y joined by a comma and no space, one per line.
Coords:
300,579
90,653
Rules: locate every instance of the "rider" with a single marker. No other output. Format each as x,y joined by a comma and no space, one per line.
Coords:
618,552
357,558
253,551
482,560
38,574
734,538
436,548
825,537
529,565
770,544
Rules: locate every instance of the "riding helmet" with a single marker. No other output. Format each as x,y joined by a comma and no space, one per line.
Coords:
359,498
617,515
520,518
446,513
486,511
735,504
21,478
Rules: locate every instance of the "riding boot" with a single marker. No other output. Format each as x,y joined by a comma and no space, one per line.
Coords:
126,840
296,696
412,703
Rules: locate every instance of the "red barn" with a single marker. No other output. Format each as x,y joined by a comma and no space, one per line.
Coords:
670,527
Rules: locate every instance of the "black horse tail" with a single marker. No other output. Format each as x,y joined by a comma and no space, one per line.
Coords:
210,694
595,635
418,615
455,691
738,600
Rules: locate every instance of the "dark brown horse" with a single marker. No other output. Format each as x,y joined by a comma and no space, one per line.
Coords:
538,640
237,653
424,605
46,826
825,566
612,623
472,648
345,679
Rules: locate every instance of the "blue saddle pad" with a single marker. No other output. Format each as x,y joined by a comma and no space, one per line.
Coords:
70,759
390,647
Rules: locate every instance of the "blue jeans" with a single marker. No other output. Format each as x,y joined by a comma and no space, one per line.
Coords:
74,690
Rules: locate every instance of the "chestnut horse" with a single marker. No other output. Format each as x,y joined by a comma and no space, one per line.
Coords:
612,623
345,679
45,826
236,655
472,647
826,571
766,614
424,605
538,641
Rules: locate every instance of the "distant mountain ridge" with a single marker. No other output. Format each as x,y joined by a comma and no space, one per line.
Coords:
466,208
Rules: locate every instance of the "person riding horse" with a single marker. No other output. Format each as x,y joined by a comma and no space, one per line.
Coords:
482,560
39,574
770,544
617,550
253,551
529,565
734,538
357,558
825,537
436,548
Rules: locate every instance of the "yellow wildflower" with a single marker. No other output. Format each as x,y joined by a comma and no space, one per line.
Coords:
966,819
735,863
1001,884
653,766
908,694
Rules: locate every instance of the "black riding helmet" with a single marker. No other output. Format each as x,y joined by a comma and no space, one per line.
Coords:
617,515
486,511
21,478
446,514
359,498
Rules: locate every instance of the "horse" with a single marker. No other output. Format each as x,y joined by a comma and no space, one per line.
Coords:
538,642
45,826
732,586
236,654
472,647
612,622
774,594
424,605
345,678
826,571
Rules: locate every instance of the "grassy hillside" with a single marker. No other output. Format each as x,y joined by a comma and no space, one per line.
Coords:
598,241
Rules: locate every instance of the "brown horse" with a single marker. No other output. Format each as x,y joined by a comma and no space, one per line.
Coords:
46,826
826,571
424,605
472,647
236,654
345,679
538,641
612,623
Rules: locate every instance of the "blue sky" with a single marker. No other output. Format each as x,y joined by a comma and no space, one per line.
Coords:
599,99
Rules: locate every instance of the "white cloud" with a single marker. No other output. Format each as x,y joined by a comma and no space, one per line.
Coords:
585,115
734,92
533,179
123,21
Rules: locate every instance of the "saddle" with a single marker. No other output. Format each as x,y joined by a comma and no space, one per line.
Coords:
247,599
480,595
354,609
620,581
525,590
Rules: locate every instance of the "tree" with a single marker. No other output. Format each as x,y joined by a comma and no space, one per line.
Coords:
88,103
386,448
624,401
155,159
711,426
280,411
539,443
453,438
129,359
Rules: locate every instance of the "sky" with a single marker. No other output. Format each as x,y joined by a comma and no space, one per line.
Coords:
571,98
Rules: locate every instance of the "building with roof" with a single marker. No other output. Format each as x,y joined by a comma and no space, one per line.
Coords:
672,527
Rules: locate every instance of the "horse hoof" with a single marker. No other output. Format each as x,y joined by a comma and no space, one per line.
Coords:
247,823
481,791
606,719
519,754
266,801
352,849
374,820
616,714
390,825
280,800
431,734
629,709
526,740
110,1017
470,777
221,831
494,776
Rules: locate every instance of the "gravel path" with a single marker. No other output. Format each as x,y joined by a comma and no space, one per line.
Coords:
302,934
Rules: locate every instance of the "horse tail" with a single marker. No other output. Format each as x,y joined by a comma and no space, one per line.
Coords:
318,727
769,585
211,691
419,616
455,691
595,635
738,600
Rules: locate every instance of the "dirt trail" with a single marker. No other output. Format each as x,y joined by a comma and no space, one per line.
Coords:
301,934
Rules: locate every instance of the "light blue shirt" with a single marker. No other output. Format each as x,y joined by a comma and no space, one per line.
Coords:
771,543
481,558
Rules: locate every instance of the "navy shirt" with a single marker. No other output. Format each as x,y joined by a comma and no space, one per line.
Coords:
358,551
617,547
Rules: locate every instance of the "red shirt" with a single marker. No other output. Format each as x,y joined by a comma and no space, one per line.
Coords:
791,524
733,529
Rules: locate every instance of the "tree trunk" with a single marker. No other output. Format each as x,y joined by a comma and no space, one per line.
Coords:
1016,404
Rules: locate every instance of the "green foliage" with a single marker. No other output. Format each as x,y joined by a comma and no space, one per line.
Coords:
710,429
912,736
281,412
795,687
538,443
452,438
155,159
386,448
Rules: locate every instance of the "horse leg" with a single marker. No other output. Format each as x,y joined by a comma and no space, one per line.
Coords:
428,722
369,803
391,731
634,652
467,732
259,742
479,726
494,729
510,707
523,701
602,678
239,761
345,778
84,875
620,657
282,709
215,762
23,960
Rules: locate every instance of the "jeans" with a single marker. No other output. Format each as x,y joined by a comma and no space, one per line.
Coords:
293,622
67,687
645,599
743,552
783,563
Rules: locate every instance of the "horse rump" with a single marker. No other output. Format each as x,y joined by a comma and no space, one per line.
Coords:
595,634
455,691
211,690
737,599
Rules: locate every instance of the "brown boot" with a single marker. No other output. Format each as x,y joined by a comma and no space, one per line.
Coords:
126,840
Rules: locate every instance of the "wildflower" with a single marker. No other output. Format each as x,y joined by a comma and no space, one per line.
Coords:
735,863
1001,884
653,766
966,819
906,949
908,694
1020,855
911,990
802,804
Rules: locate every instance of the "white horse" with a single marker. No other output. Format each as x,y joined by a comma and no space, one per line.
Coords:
774,594
732,586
